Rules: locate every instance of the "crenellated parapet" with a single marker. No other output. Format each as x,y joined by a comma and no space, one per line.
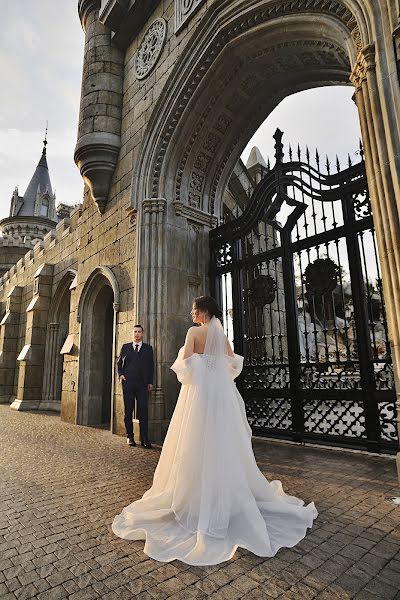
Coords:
25,254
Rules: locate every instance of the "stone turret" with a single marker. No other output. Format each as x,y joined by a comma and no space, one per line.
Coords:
99,132
33,214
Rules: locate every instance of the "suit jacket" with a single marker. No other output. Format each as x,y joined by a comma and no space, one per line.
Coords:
136,366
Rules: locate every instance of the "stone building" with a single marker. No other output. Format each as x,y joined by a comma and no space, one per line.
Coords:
172,91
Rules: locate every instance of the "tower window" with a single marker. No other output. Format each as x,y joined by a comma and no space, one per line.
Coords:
44,208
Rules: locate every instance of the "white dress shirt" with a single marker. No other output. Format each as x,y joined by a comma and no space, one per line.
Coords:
134,344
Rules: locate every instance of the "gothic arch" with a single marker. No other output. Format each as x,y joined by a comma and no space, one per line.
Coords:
57,329
179,129
108,274
97,314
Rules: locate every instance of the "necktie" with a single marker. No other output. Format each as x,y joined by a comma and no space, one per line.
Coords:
136,347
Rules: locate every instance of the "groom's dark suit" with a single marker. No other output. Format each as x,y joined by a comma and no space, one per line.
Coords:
137,368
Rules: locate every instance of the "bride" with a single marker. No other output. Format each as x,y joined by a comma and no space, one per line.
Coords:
208,496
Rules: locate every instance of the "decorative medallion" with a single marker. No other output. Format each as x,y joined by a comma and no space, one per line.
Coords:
262,290
150,48
321,277
184,9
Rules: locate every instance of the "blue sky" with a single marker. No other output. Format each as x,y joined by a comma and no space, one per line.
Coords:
41,54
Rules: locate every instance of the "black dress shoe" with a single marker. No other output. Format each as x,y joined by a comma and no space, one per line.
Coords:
130,441
146,444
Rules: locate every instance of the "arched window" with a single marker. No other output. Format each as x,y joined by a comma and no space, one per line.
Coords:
44,207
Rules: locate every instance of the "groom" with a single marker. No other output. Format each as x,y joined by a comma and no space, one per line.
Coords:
135,372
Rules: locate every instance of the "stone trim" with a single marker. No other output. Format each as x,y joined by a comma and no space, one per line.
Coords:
222,24
108,274
184,11
365,62
194,214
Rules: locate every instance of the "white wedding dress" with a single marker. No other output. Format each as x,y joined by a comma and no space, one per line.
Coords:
208,496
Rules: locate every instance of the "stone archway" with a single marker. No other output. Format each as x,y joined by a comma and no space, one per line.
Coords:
243,59
97,315
57,331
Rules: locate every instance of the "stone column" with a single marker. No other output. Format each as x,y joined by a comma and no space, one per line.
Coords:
152,302
8,344
99,140
31,357
381,137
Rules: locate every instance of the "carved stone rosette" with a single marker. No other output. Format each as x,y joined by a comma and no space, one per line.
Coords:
150,48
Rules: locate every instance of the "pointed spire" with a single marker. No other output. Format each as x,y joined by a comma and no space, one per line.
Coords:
255,158
39,184
43,159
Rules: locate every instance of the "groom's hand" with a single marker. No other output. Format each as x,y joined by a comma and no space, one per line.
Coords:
149,387
122,378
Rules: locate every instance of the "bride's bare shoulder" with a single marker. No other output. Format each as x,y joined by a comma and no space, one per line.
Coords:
191,332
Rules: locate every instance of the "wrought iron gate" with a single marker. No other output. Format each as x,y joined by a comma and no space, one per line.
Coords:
298,277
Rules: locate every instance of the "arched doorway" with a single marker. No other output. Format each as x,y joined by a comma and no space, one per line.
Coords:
57,331
97,314
248,57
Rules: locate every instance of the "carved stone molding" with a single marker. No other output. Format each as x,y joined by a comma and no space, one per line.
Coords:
365,62
154,205
252,18
107,273
184,10
96,156
150,48
194,214
112,12
302,53
132,214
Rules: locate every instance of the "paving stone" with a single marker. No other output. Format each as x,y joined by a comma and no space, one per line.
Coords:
244,583
26,592
55,593
59,543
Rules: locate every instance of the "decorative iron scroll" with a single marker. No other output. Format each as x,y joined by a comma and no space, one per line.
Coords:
387,418
268,377
330,377
362,205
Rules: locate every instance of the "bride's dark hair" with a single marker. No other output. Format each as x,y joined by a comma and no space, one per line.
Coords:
208,305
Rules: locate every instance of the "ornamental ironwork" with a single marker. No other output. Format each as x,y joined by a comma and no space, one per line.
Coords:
150,48
321,277
299,279
262,290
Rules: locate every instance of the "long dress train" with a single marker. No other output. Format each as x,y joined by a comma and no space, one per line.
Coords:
208,496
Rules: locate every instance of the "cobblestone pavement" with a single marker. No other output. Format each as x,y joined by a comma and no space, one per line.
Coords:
61,485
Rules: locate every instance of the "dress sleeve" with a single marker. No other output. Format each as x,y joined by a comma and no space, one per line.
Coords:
183,368
235,364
